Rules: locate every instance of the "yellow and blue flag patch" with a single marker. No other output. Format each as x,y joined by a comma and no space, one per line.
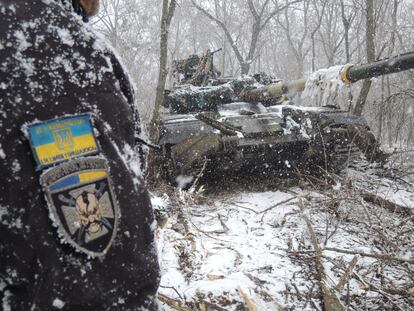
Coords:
81,198
59,140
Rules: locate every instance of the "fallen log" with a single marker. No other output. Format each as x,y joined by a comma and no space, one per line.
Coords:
330,301
345,278
251,305
387,204
172,303
377,256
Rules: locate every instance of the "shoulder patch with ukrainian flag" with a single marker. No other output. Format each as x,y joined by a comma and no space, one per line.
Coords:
59,140
77,183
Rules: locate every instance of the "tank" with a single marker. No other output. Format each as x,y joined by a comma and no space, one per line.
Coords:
249,125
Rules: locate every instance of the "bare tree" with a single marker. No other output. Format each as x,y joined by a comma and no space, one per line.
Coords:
260,20
347,19
319,12
110,19
385,81
296,38
331,34
370,49
168,9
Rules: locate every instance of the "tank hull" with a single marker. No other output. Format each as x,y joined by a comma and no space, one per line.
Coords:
262,139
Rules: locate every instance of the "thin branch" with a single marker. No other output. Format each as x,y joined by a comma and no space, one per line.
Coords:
253,9
224,28
276,11
377,256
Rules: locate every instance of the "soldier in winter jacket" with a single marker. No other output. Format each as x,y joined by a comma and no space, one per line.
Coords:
76,223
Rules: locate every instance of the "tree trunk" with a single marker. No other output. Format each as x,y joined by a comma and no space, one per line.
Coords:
168,9
313,52
389,114
245,68
381,111
410,133
347,25
370,36
346,21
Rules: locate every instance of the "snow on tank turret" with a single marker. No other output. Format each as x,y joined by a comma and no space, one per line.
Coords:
248,124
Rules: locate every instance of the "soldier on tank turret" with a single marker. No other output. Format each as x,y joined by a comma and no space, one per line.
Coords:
196,70
76,223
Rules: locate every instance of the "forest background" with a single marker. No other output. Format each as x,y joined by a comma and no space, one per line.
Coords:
288,39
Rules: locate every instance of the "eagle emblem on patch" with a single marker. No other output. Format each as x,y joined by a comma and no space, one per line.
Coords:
82,204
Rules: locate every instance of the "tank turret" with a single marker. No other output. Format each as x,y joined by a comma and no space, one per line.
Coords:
199,87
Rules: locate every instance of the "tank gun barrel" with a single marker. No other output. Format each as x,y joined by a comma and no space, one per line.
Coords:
216,51
349,74
273,90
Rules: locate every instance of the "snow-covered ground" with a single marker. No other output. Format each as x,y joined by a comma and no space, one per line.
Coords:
253,250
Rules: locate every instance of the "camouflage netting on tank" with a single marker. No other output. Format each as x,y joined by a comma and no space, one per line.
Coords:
189,98
192,99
